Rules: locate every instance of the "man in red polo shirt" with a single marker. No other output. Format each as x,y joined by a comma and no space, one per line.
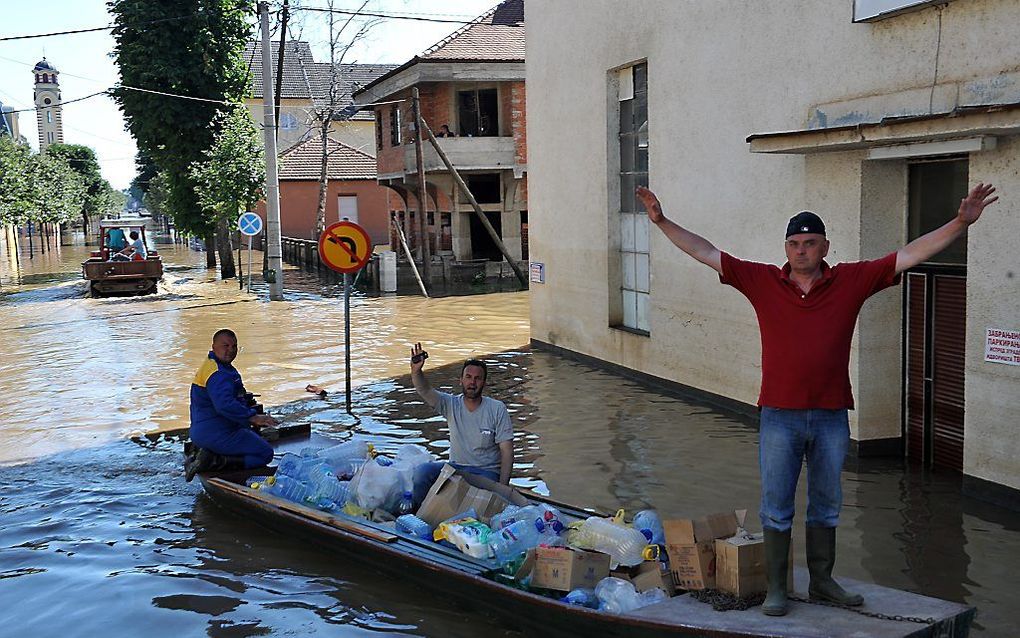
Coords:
806,312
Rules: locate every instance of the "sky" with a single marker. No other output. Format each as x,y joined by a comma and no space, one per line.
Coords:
85,65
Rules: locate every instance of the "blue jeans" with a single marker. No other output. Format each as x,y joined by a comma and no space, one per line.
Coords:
786,438
236,441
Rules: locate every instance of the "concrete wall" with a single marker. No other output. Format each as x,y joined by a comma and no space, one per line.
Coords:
718,72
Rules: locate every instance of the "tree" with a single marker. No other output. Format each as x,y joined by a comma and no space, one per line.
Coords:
82,160
200,56
58,191
332,111
15,181
230,178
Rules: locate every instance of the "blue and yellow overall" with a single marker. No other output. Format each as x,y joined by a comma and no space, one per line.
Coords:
220,413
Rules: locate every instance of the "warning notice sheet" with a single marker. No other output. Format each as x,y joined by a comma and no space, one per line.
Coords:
1002,346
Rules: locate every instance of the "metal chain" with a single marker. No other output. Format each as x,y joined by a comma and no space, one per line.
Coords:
870,614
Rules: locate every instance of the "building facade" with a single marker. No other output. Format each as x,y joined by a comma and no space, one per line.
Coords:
305,91
472,82
9,122
352,192
47,105
879,119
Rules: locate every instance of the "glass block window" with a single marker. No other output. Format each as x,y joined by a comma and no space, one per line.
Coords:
633,221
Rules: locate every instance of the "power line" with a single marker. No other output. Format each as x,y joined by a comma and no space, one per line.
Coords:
79,99
183,97
107,27
392,16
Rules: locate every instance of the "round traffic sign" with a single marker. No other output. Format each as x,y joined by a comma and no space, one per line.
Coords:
249,224
345,247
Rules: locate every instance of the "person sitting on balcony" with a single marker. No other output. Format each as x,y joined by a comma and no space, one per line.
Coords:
444,131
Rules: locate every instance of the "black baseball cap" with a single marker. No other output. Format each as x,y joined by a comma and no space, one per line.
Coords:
805,222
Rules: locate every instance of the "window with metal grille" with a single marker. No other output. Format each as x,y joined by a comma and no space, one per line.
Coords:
632,219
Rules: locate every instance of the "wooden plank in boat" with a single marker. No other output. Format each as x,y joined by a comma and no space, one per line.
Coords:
807,620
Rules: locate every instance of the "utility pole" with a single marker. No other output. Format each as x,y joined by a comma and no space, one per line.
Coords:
423,236
273,241
279,61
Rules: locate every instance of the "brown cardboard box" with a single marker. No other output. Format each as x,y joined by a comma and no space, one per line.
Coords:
565,568
740,565
454,492
651,574
690,544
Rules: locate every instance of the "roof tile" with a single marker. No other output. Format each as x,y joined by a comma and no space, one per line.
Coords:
303,161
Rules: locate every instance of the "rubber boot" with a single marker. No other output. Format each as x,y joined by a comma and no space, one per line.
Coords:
821,557
206,461
777,565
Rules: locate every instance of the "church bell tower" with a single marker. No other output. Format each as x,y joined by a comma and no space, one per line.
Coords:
47,105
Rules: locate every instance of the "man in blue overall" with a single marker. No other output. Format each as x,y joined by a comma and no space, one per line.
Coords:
221,419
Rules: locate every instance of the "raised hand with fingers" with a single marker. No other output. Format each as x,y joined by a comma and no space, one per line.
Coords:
975,202
651,204
418,356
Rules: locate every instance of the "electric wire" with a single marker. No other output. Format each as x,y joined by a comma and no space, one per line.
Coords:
107,27
391,16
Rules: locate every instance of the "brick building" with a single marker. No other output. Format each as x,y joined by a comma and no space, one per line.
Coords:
352,191
473,82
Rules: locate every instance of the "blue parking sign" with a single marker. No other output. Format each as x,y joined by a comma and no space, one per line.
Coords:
249,224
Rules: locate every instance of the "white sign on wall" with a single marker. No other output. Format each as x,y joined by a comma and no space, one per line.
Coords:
873,9
1002,346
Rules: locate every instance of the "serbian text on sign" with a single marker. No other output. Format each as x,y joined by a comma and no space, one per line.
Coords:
1002,346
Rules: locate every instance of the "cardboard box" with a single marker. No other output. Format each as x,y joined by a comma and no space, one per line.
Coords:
454,492
648,575
740,565
566,568
690,544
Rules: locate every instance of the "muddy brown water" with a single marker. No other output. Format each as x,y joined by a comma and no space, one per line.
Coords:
99,534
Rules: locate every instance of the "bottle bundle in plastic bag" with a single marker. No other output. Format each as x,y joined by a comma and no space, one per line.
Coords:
582,597
618,596
625,545
376,486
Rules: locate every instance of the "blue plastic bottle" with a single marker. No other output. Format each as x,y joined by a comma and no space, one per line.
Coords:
290,465
582,597
516,539
289,488
649,523
411,524
406,505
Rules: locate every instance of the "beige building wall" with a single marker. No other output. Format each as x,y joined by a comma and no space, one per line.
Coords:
297,123
719,71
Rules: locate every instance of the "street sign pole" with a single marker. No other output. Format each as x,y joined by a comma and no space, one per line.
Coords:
347,338
249,263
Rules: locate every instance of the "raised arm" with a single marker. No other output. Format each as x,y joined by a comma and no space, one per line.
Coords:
928,245
421,384
694,245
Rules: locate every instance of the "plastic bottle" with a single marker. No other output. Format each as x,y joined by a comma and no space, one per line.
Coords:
582,597
290,465
327,488
616,596
406,505
649,524
549,516
286,487
516,539
625,545
411,524
347,457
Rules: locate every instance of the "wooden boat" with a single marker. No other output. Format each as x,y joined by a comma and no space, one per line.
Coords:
481,583
107,277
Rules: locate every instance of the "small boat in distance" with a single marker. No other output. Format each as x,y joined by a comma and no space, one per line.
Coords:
135,276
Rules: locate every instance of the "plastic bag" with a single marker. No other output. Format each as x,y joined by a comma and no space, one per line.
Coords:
376,487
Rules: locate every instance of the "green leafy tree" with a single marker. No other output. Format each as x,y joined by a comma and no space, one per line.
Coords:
16,183
82,160
229,180
58,191
199,55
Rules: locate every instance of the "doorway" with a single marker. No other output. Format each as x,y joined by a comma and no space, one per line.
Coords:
482,246
935,317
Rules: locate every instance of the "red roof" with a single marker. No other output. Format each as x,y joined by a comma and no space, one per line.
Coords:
303,161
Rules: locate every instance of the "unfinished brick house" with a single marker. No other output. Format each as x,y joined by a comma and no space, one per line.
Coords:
472,81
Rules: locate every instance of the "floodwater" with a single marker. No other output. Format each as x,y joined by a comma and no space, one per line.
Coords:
99,534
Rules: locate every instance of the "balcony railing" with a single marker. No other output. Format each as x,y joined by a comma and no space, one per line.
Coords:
466,153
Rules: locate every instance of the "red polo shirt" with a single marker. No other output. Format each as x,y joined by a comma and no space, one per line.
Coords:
805,337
